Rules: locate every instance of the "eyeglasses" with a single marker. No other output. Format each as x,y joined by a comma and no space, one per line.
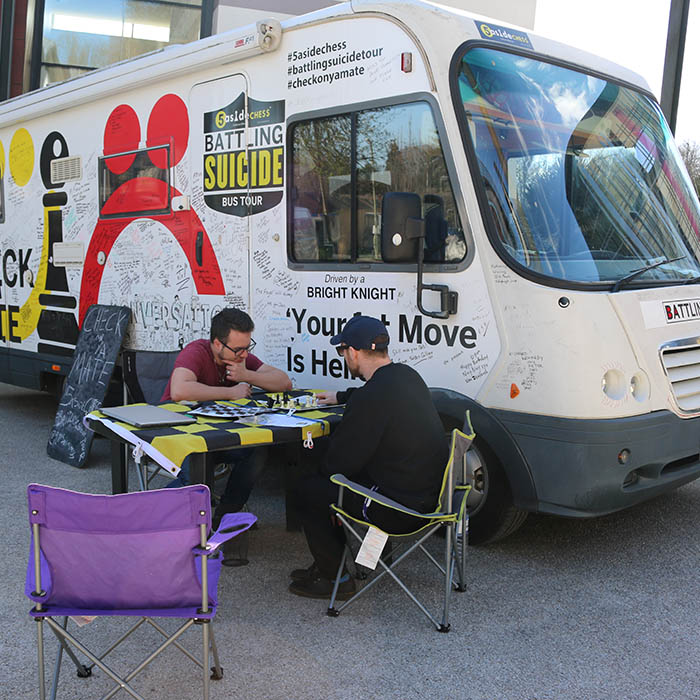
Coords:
340,349
239,351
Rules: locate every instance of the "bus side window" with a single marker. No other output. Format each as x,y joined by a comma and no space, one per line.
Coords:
336,208
135,183
399,150
321,196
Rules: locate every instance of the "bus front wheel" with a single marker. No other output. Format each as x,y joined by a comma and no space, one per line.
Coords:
492,515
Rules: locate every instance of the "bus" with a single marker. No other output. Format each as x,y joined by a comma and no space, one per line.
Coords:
514,209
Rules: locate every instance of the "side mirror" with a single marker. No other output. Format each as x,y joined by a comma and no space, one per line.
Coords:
435,228
403,236
401,213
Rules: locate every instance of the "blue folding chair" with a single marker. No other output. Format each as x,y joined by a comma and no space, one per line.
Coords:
143,554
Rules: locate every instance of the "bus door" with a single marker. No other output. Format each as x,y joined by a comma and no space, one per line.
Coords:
219,167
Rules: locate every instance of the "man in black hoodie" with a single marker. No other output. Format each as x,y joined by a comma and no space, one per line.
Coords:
390,439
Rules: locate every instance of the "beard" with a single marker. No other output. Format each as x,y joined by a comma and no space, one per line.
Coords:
355,372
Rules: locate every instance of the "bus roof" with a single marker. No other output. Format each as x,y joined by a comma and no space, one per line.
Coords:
433,26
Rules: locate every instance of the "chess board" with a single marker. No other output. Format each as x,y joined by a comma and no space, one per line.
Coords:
274,403
228,411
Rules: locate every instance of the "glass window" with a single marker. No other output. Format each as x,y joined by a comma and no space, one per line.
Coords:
134,183
80,36
343,166
582,179
321,189
56,74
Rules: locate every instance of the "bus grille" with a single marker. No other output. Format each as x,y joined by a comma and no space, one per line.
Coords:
682,365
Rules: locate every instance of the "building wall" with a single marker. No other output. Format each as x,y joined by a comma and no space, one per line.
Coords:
18,48
90,35
229,14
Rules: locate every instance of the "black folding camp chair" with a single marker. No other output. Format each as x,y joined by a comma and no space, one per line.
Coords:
450,514
146,375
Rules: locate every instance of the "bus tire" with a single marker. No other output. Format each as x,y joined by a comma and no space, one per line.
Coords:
493,516
53,384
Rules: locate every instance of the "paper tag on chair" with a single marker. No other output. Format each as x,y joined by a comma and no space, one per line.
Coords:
82,620
372,548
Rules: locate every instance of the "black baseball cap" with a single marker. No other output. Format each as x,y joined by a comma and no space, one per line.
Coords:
363,333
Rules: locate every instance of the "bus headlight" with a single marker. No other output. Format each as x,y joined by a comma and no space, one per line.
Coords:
613,384
639,386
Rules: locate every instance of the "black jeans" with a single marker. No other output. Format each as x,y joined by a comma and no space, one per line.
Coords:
244,473
324,535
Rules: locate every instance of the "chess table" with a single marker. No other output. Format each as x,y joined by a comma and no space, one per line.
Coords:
169,445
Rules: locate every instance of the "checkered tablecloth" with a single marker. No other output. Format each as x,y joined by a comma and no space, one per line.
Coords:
169,445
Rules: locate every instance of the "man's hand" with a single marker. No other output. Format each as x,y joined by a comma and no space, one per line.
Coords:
237,372
327,397
240,391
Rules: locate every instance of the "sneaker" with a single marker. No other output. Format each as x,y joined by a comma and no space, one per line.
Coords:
302,574
220,470
320,587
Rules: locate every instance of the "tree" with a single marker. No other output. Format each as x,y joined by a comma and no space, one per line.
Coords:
690,152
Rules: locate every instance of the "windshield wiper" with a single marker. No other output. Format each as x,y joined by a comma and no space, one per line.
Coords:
641,271
691,280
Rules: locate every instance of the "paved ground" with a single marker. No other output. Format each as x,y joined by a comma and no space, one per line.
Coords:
563,610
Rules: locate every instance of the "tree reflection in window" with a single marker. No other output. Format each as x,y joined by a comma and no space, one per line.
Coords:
343,166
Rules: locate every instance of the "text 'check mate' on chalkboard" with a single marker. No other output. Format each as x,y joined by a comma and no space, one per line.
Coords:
95,354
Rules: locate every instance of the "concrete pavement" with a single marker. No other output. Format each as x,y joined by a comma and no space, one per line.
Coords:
562,610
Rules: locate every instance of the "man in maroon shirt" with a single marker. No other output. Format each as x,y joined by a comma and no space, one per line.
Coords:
224,368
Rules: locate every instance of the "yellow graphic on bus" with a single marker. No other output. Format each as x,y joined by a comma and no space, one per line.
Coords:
21,157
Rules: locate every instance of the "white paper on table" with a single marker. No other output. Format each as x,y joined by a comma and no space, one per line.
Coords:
278,420
372,548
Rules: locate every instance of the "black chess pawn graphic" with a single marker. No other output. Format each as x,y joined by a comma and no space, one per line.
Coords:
57,327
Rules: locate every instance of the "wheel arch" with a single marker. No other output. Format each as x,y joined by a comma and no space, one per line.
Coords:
451,405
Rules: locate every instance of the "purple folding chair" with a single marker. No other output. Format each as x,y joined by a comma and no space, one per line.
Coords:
143,554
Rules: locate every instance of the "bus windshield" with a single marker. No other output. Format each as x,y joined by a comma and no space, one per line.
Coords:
582,179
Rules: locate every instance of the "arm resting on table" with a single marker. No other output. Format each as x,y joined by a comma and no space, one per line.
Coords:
270,378
185,387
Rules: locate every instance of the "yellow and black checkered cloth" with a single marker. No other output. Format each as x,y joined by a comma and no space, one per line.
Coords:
209,434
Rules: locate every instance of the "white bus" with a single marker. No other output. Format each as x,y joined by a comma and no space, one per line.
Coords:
514,209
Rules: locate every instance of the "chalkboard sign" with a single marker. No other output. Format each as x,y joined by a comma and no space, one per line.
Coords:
86,386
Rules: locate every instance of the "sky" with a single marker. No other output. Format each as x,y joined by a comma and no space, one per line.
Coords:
633,34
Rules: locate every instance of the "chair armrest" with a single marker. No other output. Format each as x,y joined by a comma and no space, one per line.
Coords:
232,524
344,482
